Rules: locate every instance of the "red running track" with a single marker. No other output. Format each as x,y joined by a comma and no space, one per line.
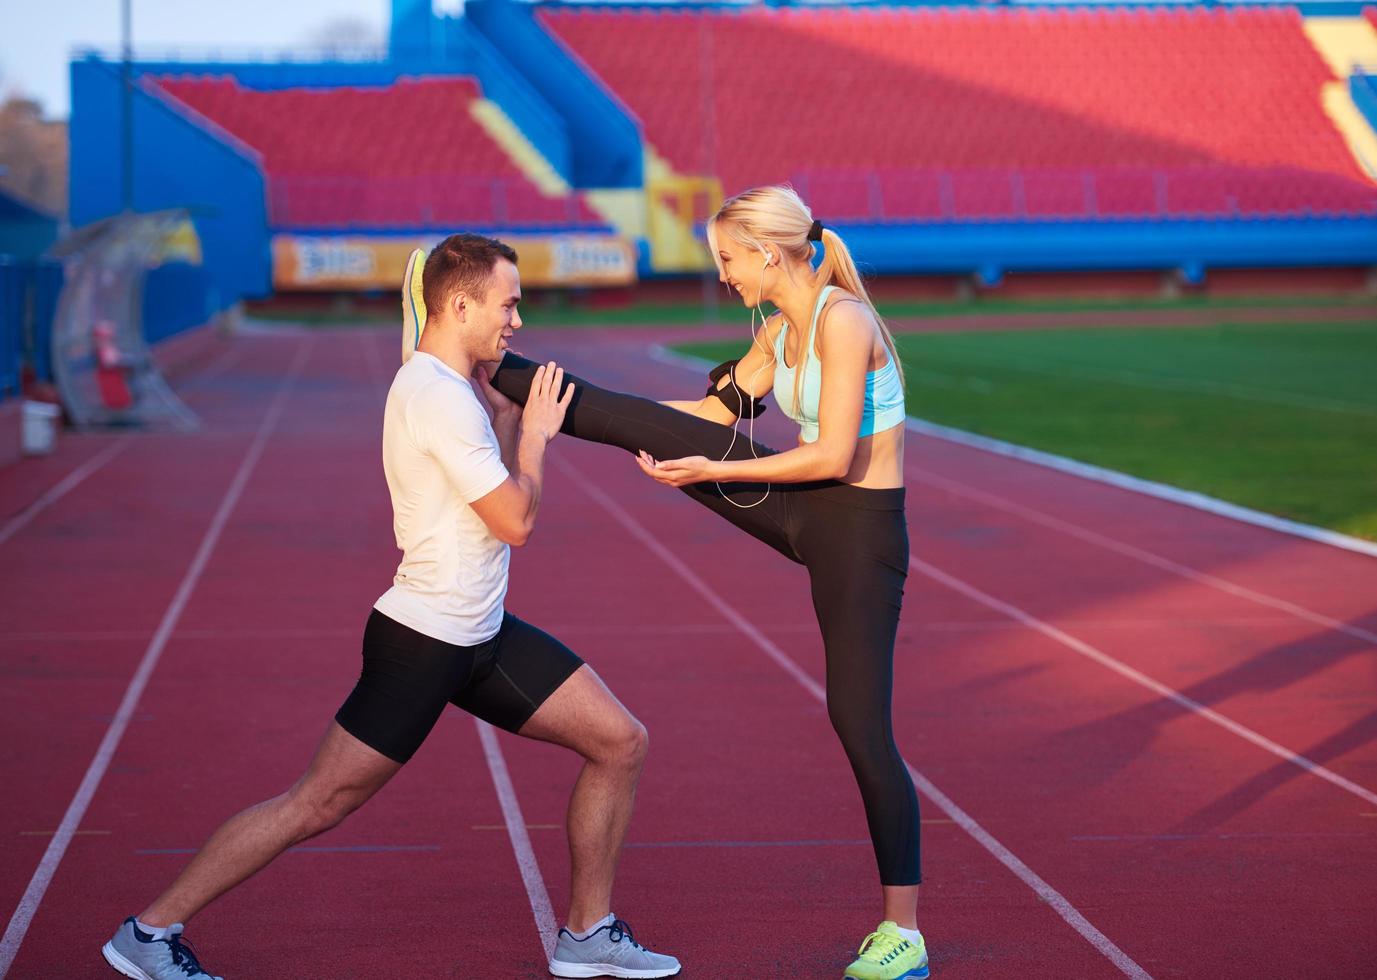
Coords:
1163,720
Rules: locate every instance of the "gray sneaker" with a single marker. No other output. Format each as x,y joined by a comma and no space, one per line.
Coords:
136,954
608,952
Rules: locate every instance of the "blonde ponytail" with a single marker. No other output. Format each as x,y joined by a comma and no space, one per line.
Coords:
777,215
839,269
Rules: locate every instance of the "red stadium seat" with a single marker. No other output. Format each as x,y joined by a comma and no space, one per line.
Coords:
349,157
1008,114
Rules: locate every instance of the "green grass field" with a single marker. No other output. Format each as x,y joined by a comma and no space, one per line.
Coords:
554,311
1278,418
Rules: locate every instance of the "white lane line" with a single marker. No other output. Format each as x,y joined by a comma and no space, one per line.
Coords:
1148,488
47,867
1044,891
1139,554
541,909
63,487
1096,474
1138,677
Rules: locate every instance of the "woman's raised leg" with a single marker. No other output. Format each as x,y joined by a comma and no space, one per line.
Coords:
632,423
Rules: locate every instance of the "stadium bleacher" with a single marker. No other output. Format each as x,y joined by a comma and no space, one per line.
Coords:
405,155
930,114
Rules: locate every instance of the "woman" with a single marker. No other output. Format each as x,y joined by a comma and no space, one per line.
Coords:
834,503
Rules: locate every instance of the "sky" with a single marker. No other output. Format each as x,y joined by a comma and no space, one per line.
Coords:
37,37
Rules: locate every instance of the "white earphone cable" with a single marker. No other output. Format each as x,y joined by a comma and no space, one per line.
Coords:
731,377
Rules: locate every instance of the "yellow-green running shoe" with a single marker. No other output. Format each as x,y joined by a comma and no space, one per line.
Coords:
887,955
413,303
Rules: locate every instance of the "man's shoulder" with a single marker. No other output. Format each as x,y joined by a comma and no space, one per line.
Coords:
440,404
424,383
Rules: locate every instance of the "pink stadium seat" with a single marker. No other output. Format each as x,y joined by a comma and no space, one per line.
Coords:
348,157
960,113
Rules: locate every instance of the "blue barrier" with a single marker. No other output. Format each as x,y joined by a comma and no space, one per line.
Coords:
28,300
607,144
1363,87
47,288
504,83
179,163
25,231
177,297
11,316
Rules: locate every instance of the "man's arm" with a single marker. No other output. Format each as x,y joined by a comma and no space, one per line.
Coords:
507,426
509,511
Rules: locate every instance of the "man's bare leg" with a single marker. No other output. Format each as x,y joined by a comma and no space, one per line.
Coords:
585,716
343,774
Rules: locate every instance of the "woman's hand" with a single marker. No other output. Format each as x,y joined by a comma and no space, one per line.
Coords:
677,472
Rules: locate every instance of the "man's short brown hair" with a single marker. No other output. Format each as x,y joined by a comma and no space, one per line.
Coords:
462,263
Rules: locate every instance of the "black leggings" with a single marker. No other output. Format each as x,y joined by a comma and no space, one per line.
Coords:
854,543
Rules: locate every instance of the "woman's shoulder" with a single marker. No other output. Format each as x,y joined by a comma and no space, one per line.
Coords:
774,323
841,296
844,314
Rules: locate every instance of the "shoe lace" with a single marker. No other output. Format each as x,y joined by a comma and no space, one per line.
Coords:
619,930
880,946
184,956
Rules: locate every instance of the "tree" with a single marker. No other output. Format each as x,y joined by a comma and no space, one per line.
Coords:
33,155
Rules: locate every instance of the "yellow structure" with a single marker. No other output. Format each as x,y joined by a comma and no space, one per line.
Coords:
622,208
675,205
522,152
665,213
1345,42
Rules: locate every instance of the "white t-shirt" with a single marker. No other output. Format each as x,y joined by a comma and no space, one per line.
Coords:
440,454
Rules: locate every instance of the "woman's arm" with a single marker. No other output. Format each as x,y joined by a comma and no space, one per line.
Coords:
844,348
755,374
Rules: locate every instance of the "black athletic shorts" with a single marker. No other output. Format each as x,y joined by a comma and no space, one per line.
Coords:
409,677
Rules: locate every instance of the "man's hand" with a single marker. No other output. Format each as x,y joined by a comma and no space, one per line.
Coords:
545,408
499,404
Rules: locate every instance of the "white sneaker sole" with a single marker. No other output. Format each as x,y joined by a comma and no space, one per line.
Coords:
121,964
412,327
559,969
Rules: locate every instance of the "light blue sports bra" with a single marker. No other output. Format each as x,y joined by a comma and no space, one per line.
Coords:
884,392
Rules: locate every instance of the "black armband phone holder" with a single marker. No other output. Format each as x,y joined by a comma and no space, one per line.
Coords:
738,401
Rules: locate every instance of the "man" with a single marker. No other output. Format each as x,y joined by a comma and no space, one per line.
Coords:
464,488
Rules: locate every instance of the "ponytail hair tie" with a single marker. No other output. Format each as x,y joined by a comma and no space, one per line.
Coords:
815,232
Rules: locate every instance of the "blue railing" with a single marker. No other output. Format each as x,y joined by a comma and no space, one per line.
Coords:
1221,191
1362,86
344,203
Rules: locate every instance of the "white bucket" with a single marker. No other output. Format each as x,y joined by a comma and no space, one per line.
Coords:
40,420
